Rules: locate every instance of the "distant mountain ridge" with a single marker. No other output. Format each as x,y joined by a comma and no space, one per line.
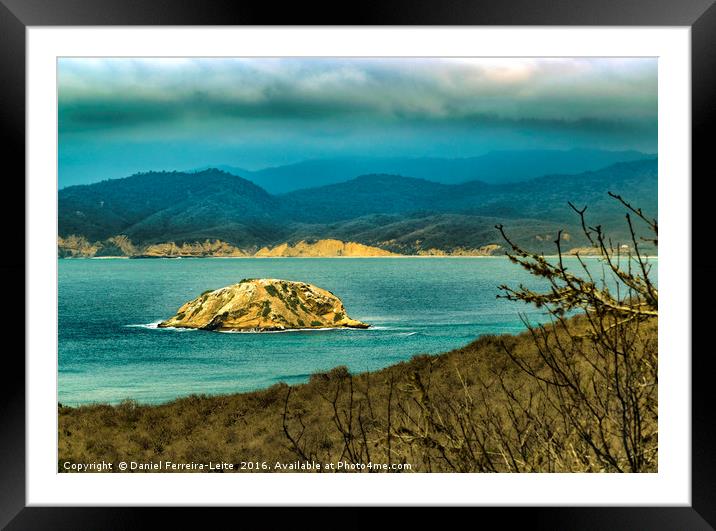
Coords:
496,167
396,213
541,198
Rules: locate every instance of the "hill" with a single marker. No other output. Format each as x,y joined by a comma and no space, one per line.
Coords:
161,206
413,233
392,212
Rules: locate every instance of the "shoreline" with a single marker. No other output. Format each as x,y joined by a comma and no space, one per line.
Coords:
400,256
259,390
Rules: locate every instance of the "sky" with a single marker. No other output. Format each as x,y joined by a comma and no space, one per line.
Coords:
120,116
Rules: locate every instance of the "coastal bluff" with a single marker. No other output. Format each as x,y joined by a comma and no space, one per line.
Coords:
263,304
322,248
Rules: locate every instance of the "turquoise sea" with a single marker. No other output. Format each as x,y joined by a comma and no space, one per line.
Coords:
110,349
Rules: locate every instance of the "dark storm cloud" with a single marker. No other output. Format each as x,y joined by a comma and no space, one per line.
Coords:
117,116
123,93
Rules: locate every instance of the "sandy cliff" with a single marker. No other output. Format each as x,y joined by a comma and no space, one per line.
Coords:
323,248
196,249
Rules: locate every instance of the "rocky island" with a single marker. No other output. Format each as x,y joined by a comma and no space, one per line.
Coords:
263,305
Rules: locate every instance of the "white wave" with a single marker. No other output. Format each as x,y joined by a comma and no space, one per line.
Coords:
254,331
155,326
288,330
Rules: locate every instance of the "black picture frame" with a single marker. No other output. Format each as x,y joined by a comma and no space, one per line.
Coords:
17,15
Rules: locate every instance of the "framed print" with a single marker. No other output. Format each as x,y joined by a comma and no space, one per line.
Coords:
413,262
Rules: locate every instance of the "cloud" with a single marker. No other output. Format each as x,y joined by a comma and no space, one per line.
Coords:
118,116
109,94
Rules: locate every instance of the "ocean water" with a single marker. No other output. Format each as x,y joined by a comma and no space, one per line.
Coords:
110,348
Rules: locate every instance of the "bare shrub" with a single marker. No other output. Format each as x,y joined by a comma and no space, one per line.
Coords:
580,396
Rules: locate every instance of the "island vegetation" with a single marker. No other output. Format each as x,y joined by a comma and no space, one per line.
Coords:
263,305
